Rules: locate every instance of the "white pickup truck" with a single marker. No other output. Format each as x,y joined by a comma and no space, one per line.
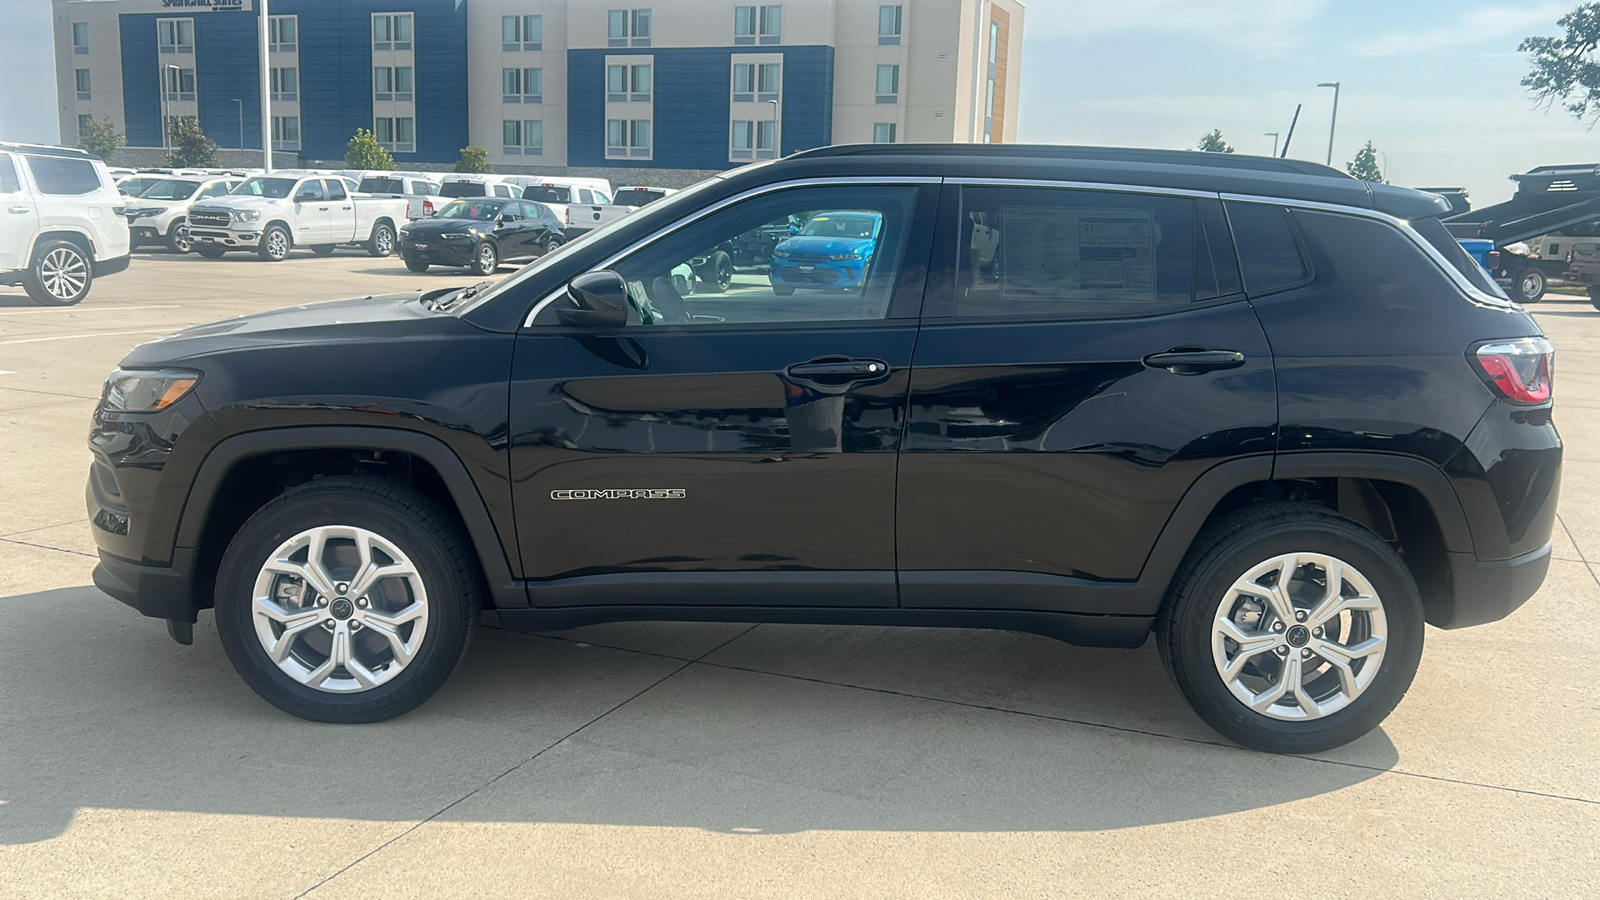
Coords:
272,214
582,204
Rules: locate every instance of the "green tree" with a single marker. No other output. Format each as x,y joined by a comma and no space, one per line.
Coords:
1365,165
1565,68
363,152
191,149
1213,143
474,160
100,137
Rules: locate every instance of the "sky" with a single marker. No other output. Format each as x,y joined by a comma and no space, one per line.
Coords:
1434,84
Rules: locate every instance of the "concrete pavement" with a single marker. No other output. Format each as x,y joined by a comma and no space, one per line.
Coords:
677,760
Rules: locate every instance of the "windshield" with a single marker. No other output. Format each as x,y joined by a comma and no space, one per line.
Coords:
836,226
483,210
170,190
637,197
546,194
464,189
272,188
132,186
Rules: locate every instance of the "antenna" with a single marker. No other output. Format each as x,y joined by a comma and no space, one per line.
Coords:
1290,136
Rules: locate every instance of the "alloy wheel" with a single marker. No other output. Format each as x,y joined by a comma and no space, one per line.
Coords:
340,609
385,241
278,244
1299,636
64,273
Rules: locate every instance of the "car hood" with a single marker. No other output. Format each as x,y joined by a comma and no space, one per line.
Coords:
819,245
242,201
436,226
382,317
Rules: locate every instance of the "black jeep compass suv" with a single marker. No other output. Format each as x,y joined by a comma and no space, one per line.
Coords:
1271,413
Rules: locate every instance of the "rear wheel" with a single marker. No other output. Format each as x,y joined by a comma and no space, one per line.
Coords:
210,251
551,245
720,269
1594,297
416,265
60,275
486,259
347,600
381,243
178,240
275,244
1531,285
323,249
782,290
1291,629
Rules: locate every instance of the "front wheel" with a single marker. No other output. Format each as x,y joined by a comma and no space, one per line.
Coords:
347,600
1291,629
323,249
381,243
416,265
275,244
486,259
1594,297
60,275
720,268
211,251
782,290
178,240
1531,286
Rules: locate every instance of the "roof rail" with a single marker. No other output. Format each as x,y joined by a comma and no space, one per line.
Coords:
46,150
1234,161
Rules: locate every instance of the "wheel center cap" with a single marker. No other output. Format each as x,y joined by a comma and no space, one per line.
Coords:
1298,636
343,609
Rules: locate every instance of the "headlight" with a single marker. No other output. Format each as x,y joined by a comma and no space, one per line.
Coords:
781,254
245,215
839,257
148,211
457,236
141,392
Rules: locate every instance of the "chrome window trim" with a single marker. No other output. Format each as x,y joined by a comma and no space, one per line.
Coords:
1082,186
1472,292
724,203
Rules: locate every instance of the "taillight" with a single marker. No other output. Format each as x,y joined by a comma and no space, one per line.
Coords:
1518,369
1493,260
1569,257
427,207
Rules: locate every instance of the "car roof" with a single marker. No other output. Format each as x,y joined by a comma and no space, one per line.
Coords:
46,150
1190,170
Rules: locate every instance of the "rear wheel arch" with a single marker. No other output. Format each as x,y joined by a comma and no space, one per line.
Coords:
84,242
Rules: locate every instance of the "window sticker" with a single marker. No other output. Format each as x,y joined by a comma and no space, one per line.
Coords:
1047,251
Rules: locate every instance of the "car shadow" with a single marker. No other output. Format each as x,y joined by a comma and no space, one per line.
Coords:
925,730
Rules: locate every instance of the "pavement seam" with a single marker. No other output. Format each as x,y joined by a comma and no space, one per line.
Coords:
496,779
47,547
42,528
22,390
1084,722
1588,566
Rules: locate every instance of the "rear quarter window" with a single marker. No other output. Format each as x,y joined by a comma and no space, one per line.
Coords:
1269,256
1434,232
1380,277
8,176
63,176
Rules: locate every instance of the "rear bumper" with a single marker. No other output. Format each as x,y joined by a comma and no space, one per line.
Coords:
161,592
1490,591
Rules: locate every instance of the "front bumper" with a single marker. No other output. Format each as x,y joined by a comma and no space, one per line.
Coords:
161,592
815,274
438,252
1489,591
224,237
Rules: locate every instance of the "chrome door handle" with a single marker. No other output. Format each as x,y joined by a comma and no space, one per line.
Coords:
322,209
344,207
21,209
1193,362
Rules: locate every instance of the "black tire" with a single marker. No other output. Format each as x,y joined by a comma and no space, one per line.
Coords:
1226,550
783,290
60,274
720,269
485,259
381,242
178,240
416,265
1594,297
210,251
323,249
551,245
271,248
1530,285
423,531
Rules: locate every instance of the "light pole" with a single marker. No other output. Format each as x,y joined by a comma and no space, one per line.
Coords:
266,91
1334,121
774,127
239,107
1274,136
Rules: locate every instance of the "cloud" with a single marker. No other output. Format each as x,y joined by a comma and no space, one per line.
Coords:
1268,27
1497,24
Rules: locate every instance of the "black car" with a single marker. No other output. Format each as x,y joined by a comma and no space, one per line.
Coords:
479,234
1264,411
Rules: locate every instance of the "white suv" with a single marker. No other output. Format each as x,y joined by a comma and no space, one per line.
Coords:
160,214
62,226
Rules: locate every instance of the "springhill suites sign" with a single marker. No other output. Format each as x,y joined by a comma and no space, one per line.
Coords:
210,5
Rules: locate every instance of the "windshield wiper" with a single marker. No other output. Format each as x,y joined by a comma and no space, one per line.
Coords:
445,301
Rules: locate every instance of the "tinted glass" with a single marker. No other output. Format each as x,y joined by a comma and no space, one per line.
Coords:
170,190
1268,254
464,189
59,175
636,197
1434,232
272,188
546,194
1216,251
382,186
471,209
9,184
754,262
335,189
1061,252
1379,274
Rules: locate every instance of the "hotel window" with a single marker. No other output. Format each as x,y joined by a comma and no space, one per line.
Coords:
392,83
397,134
883,133
771,24
179,83
624,83
888,84
639,80
391,31
80,37
521,32
744,82
83,124
83,83
770,81
523,137
175,35
766,139
988,112
404,88
888,25
741,143
744,24
522,85
286,84
628,28
282,33
628,137
286,132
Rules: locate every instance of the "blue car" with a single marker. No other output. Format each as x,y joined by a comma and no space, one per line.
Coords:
832,250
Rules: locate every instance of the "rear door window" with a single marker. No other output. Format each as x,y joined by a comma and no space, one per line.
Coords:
63,175
1269,254
1065,253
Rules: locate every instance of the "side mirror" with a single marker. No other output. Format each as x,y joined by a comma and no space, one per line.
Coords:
306,197
793,229
599,300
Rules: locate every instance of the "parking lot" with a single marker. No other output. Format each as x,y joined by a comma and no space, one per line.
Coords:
725,760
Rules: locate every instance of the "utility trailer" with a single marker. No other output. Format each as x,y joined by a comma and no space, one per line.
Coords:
1550,200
